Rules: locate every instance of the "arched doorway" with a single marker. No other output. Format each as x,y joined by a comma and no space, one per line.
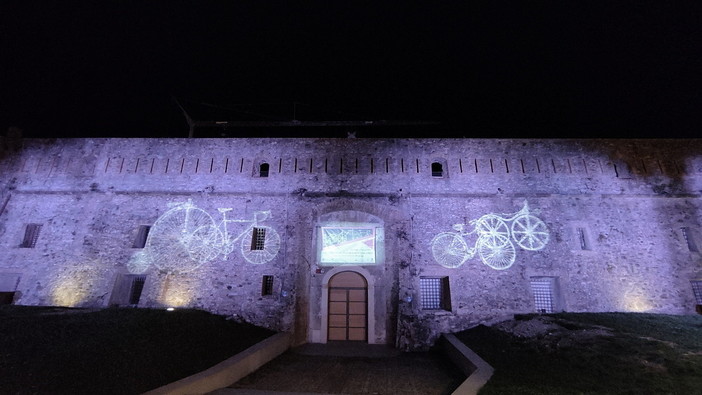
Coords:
348,307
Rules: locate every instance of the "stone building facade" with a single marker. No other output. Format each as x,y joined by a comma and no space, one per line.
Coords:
382,241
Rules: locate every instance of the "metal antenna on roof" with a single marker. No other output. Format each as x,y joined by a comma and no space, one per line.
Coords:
191,124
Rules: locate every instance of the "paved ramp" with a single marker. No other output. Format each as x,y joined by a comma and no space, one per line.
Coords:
351,368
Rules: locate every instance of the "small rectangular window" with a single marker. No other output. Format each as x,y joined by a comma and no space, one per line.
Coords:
31,235
543,289
690,239
435,293
258,239
263,170
437,169
583,239
142,235
267,285
136,287
128,289
697,290
8,287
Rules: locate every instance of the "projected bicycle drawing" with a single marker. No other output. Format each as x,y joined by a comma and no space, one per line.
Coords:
186,236
496,236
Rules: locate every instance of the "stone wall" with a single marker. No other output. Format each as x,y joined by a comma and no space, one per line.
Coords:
614,211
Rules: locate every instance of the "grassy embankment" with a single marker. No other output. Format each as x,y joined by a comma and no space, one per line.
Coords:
113,351
592,353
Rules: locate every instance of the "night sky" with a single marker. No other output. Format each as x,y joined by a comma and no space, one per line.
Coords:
488,69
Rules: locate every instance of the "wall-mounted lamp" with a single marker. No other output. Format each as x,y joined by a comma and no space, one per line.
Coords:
407,298
284,294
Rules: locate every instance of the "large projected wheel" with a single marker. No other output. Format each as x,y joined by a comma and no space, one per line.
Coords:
172,241
450,250
494,228
205,244
260,244
498,256
529,232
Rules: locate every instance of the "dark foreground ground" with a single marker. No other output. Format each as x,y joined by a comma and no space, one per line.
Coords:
353,369
50,350
592,353
45,350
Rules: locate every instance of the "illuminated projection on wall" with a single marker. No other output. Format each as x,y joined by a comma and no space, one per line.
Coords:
186,236
494,237
348,245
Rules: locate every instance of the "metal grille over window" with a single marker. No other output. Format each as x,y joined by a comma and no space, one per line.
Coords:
542,288
31,235
697,290
135,290
258,241
267,285
142,234
691,243
435,293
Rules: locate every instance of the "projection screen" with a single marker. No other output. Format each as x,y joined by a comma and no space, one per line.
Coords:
348,245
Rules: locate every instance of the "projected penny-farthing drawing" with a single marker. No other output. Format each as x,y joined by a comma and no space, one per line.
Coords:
186,236
495,236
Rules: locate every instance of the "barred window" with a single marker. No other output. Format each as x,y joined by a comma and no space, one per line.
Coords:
136,287
435,293
690,239
31,235
258,241
582,238
8,287
142,235
128,289
697,290
543,290
267,285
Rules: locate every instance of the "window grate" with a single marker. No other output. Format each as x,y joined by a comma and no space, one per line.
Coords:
31,235
583,239
697,290
135,291
142,235
431,292
258,241
542,288
435,293
267,285
8,287
691,244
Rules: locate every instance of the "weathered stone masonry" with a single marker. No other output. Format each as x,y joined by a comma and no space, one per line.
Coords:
622,218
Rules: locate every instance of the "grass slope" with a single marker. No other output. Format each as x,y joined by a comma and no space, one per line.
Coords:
112,351
593,353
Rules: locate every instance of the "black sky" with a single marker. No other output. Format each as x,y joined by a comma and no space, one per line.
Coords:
488,69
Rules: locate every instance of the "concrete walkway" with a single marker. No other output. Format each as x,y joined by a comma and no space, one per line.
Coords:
351,368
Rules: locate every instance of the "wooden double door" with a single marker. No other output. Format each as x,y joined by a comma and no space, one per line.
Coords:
348,307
